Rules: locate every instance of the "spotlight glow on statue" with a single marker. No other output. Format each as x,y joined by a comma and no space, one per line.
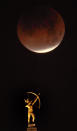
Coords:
41,31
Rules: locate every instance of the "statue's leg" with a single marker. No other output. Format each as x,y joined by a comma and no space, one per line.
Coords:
28,117
33,117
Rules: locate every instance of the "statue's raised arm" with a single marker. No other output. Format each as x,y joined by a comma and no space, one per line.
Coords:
37,98
34,101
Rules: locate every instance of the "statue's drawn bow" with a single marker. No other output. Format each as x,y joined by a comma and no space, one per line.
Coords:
36,96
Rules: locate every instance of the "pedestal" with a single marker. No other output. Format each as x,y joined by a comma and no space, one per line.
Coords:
32,127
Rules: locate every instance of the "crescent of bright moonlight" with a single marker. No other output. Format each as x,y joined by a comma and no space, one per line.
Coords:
41,30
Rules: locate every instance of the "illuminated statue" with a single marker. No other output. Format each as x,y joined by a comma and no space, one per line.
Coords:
29,105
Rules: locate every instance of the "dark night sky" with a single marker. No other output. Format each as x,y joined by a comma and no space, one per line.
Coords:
50,74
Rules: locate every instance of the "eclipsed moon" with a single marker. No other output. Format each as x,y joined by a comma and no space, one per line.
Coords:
41,30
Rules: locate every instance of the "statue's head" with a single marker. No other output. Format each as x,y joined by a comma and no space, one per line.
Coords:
27,101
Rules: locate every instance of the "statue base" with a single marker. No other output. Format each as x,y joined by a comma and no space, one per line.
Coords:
31,127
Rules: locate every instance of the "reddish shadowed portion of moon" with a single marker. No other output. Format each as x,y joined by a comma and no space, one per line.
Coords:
41,30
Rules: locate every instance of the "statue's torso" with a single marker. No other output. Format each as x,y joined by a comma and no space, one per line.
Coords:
30,108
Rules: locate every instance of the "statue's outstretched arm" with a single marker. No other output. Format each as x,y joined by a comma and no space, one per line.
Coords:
34,101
